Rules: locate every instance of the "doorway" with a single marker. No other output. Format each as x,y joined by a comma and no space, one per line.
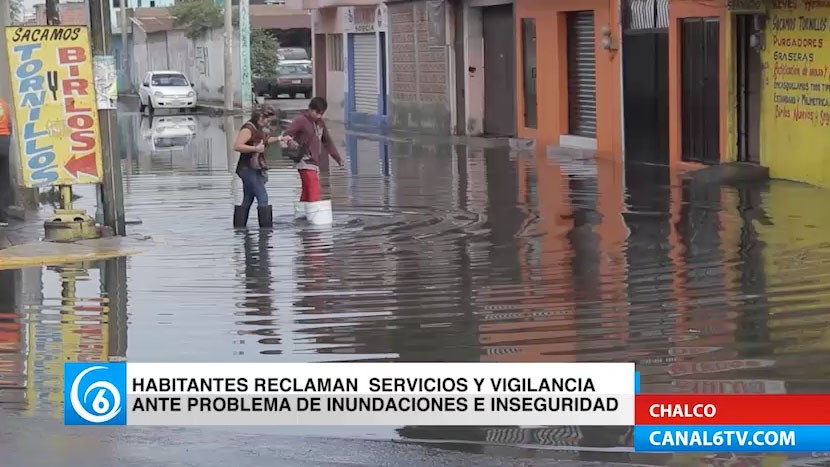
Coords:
499,70
645,43
529,71
460,70
748,76
700,94
320,65
383,72
582,75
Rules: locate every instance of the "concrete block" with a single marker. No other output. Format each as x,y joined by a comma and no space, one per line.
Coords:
522,144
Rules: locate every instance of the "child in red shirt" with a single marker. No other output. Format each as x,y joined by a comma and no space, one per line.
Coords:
308,133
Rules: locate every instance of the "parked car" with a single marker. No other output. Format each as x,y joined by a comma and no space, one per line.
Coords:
292,53
265,86
166,90
293,79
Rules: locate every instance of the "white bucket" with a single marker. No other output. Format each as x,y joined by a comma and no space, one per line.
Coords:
299,209
318,212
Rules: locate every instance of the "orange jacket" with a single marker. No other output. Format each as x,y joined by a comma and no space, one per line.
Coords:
5,119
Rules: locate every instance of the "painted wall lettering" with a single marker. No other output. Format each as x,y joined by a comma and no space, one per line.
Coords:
796,91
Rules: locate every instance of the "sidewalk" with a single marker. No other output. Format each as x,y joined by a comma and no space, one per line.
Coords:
22,245
338,128
212,109
379,134
207,108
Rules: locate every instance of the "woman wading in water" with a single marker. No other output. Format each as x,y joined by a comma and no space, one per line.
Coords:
251,168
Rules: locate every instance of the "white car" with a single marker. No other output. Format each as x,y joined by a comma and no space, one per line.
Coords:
166,90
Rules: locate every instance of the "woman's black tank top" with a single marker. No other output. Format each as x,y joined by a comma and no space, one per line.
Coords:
256,138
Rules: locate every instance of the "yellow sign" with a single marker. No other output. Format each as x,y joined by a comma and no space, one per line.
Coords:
55,107
796,90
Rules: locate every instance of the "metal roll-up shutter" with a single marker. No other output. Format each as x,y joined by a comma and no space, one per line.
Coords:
582,75
365,53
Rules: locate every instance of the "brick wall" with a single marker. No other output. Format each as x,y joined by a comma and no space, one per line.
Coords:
72,14
419,83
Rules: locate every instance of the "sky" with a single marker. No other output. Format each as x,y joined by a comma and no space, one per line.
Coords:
29,5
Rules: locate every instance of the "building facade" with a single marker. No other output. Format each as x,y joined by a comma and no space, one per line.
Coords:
485,67
351,57
158,44
680,83
366,57
569,69
71,13
733,82
794,91
422,80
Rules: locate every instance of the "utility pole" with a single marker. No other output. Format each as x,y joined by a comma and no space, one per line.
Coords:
112,188
228,55
53,14
246,94
125,62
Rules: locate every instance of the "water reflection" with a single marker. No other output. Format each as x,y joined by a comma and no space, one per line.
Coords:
168,133
450,253
70,322
192,143
12,340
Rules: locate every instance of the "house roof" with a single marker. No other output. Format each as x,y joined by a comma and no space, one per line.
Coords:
159,19
152,20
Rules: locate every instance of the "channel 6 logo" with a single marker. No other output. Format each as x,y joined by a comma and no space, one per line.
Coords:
94,393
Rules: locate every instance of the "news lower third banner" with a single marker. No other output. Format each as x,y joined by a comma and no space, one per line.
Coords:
442,394
386,394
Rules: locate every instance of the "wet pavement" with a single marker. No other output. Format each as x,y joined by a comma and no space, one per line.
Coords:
438,253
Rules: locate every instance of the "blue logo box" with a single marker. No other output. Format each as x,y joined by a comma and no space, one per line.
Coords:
95,393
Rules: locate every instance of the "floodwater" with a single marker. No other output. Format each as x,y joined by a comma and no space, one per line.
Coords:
441,253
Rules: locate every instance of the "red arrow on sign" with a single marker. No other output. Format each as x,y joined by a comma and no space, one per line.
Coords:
85,164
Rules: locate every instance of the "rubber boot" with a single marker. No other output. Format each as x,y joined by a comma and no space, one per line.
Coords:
266,218
240,216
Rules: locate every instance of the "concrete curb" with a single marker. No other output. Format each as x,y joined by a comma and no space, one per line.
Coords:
208,108
475,142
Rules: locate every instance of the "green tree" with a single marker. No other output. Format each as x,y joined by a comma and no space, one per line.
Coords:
201,16
198,16
16,11
263,54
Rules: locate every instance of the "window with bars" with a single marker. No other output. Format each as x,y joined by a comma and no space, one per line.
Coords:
646,14
334,52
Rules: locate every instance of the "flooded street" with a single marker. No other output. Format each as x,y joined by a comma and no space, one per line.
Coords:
437,253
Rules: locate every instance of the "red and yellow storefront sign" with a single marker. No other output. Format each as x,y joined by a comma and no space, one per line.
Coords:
56,113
